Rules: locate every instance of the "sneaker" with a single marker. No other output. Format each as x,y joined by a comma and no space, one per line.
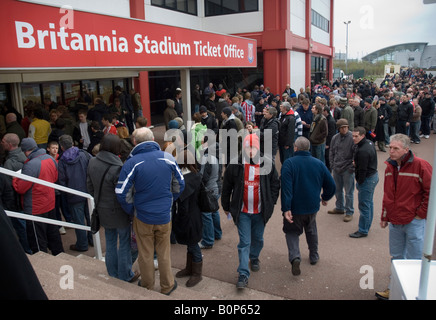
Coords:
156,264
62,230
335,211
296,266
348,217
255,265
242,282
427,137
203,246
358,234
382,295
421,135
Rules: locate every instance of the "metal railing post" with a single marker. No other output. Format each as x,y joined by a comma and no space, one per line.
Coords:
90,200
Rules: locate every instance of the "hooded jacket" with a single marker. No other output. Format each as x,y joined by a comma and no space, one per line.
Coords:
73,168
149,182
37,199
287,129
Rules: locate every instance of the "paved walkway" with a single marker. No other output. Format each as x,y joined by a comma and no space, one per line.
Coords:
349,269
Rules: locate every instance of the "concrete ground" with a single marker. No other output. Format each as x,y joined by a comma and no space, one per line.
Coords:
348,269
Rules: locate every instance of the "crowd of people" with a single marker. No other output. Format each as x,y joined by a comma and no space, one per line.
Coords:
148,195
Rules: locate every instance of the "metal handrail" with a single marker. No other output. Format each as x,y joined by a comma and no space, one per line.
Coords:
90,200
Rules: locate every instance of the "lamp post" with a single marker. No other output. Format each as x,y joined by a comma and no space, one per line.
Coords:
346,47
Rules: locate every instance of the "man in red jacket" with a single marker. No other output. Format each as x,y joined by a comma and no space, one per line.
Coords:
405,201
39,200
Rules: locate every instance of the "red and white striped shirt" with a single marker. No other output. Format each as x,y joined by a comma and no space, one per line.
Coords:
249,110
251,201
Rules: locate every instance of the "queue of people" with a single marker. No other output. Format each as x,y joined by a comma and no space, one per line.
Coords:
150,193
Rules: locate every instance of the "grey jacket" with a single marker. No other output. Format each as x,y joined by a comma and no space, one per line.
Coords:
110,211
341,153
15,160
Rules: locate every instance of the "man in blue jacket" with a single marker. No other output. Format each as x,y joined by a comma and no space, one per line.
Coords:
302,179
149,182
73,168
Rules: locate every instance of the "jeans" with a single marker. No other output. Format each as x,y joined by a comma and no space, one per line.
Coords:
285,153
386,130
211,227
20,228
78,213
118,257
306,223
195,250
344,182
250,229
414,131
407,241
366,202
319,152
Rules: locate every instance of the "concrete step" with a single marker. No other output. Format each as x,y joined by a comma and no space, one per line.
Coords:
91,281
88,282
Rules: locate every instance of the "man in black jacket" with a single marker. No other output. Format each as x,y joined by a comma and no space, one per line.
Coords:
405,114
365,163
428,107
269,122
249,194
286,132
208,119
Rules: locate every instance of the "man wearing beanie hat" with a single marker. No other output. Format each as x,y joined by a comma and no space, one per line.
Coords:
38,199
248,196
341,162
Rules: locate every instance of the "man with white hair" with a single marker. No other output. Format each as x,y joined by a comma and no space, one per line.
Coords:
305,183
149,182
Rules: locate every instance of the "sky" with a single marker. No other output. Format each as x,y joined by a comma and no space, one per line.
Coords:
377,24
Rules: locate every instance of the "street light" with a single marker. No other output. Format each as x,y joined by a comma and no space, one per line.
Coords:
346,48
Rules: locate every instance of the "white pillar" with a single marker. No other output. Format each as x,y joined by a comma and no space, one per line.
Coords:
185,80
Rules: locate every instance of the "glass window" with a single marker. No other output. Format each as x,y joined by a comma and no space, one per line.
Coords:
71,92
320,22
105,90
221,7
89,91
53,92
30,93
185,6
4,100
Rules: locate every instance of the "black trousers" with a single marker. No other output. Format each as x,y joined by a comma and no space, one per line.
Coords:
44,236
306,223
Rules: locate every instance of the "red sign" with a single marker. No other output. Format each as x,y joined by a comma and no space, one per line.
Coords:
36,36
